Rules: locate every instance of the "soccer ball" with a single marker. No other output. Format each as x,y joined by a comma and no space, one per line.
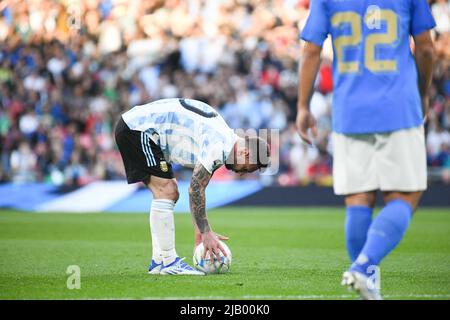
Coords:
220,264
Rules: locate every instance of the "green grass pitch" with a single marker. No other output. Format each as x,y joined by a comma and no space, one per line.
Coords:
278,253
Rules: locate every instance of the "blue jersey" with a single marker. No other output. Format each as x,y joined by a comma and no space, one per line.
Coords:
374,72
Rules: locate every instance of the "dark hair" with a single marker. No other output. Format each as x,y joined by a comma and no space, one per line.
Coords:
259,151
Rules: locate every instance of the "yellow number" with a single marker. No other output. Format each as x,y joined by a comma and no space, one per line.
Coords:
348,40
373,40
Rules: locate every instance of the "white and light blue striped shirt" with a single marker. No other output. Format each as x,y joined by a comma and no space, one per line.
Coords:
186,130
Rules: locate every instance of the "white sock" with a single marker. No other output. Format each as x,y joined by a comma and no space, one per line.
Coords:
162,228
156,250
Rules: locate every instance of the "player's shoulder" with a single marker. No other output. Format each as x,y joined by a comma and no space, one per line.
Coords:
321,4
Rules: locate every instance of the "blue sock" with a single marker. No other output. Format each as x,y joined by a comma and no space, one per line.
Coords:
384,235
357,222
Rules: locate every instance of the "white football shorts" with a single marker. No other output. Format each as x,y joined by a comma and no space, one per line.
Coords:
392,161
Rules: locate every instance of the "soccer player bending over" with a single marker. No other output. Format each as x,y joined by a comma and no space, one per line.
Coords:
191,133
380,101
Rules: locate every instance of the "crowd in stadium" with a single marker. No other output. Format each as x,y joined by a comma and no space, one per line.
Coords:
68,69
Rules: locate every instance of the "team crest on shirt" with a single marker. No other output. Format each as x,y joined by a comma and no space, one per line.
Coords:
163,166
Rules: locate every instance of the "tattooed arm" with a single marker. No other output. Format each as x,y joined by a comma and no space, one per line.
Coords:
199,181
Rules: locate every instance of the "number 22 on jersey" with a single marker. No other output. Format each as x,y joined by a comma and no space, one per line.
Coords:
372,19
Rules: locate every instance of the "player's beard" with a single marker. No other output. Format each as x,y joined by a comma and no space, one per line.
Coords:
229,166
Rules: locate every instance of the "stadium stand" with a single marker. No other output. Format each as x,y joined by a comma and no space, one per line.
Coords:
68,69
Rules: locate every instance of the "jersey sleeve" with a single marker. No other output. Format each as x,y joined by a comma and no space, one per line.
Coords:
211,156
421,17
316,27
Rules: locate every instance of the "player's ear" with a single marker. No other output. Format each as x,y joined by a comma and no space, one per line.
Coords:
243,152
246,154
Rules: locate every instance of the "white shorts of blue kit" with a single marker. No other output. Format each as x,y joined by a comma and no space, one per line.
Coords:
392,161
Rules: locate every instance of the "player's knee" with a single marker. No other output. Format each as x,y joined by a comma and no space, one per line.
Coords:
412,198
361,199
164,189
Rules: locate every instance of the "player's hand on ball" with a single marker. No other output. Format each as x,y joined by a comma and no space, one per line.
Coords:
198,238
305,120
212,245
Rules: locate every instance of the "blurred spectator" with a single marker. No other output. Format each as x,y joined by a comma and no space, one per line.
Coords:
68,69
441,13
23,162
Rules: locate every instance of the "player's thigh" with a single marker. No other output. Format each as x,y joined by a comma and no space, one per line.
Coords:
354,169
401,161
412,198
163,188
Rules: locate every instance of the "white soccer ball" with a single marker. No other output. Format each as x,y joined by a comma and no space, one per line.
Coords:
220,264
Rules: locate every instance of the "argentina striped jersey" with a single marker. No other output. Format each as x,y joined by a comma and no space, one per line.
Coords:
186,130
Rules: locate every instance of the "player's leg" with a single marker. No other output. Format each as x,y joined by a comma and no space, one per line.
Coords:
412,198
387,229
162,226
144,162
165,259
359,208
354,177
401,163
164,188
